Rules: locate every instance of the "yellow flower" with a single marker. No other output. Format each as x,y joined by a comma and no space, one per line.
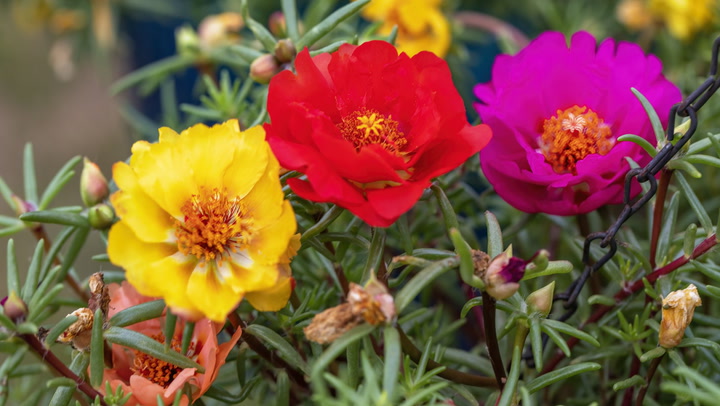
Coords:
204,222
421,24
685,17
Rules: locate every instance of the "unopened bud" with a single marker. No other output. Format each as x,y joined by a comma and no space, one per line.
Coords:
263,68
101,216
678,309
220,29
502,276
187,42
93,184
539,262
22,207
79,333
542,299
278,25
14,308
285,51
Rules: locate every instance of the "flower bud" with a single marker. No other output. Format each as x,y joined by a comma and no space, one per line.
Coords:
539,262
634,14
101,216
263,68
15,308
93,185
502,275
24,206
677,312
277,24
285,51
187,42
220,29
541,300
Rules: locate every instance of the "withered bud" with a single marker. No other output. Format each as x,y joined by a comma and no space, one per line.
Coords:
502,276
634,14
541,300
101,216
481,260
93,185
15,308
332,323
79,333
263,68
285,51
277,24
187,42
220,29
99,293
678,309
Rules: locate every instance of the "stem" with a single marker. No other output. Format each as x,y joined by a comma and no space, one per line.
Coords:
295,375
488,309
40,234
628,290
634,369
450,374
511,385
660,196
650,373
51,359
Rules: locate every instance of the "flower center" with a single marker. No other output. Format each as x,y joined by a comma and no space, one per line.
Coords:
155,370
214,225
572,135
367,127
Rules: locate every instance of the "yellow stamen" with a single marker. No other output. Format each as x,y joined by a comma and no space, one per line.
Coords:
572,135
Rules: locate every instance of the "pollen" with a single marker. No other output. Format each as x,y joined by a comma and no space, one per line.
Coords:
214,225
368,127
573,134
158,371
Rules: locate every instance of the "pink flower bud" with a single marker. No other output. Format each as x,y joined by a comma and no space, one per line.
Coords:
93,185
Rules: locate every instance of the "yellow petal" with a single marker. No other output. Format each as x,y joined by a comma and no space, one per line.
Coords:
207,293
269,244
273,299
211,152
252,156
148,221
252,277
126,250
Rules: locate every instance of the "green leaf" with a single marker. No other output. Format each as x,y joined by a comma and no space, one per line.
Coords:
64,394
58,329
33,274
665,237
97,350
328,48
642,142
289,9
560,375
101,258
273,339
282,389
446,208
169,329
7,194
247,54
336,348
510,389
476,301
571,331
557,339
652,354
13,277
147,345
56,217
553,268
327,219
695,203
9,221
332,21
635,380
72,252
652,115
261,34
4,232
467,267
699,379
601,300
375,254
30,180
689,240
536,342
61,178
52,255
60,381
138,313
684,165
156,69
495,241
393,354
408,292
703,159
41,301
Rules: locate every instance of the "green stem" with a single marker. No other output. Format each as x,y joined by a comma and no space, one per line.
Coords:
650,373
509,393
323,223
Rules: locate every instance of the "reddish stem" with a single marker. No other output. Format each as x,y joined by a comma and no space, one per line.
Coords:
628,290
665,176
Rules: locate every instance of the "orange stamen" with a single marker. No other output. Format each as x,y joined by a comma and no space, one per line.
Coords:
155,370
213,225
572,135
367,127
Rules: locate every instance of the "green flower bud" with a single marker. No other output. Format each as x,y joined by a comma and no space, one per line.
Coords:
15,308
101,216
541,300
285,51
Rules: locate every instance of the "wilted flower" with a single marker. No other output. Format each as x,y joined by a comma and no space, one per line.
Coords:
678,309
147,377
79,333
203,221
220,29
372,304
502,275
370,128
556,113
421,24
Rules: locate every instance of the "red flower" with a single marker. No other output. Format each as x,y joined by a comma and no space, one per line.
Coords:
370,128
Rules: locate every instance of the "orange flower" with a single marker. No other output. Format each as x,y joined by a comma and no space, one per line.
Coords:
145,376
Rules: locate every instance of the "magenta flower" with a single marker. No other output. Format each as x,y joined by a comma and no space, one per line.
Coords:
557,113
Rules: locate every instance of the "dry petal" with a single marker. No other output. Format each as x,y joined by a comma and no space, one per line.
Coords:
677,313
80,332
332,323
100,296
